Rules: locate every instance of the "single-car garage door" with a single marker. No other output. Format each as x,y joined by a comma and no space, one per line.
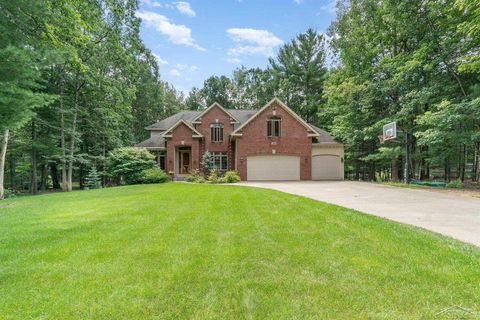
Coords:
327,167
273,167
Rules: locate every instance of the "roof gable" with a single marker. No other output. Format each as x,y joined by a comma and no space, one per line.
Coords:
198,119
169,132
311,131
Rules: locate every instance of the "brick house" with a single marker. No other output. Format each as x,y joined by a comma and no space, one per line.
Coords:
272,143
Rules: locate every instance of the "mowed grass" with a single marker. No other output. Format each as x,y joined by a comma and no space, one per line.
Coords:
186,251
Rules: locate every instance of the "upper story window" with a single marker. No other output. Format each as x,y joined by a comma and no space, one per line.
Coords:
216,132
274,126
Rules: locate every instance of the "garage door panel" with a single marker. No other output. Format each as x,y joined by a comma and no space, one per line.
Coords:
327,167
273,167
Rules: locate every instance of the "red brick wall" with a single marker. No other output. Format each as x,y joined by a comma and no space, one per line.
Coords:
179,134
204,128
294,140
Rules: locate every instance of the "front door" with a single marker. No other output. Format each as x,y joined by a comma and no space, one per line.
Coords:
184,162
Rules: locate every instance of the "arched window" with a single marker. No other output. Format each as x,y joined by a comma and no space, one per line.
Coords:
274,126
216,132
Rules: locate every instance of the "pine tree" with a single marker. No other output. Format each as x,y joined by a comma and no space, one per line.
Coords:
207,162
93,179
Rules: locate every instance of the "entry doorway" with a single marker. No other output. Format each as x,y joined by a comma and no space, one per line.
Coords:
184,160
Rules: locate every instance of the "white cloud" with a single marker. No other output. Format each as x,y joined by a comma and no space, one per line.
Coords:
175,73
176,33
257,41
186,67
233,60
151,3
298,1
330,7
159,59
185,8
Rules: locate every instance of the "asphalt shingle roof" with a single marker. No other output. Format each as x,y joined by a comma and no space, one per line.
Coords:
165,124
156,142
324,136
242,115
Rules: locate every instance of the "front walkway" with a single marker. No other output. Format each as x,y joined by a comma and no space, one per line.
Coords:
449,214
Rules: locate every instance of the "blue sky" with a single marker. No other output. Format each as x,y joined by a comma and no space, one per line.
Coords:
195,39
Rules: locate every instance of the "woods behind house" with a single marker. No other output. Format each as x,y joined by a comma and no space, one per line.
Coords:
76,81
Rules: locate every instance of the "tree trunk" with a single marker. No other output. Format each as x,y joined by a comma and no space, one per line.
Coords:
394,174
476,162
357,170
3,152
423,172
54,174
464,162
44,178
104,165
63,159
34,182
371,172
447,170
13,167
74,127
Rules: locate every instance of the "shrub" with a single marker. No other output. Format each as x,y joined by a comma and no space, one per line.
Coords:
195,176
457,184
8,193
154,175
213,177
231,177
129,163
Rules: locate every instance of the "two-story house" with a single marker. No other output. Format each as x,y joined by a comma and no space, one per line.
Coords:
272,143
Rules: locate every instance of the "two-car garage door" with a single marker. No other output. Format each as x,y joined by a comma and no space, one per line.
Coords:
273,167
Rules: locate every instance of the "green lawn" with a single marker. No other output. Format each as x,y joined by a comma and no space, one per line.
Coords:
180,250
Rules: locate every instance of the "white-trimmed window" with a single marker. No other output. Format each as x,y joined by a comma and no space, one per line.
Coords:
161,160
274,126
216,132
220,160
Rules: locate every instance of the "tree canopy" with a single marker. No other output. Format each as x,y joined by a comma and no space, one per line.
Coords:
76,82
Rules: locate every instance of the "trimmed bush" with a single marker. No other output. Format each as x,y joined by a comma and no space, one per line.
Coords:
213,177
231,176
128,164
196,177
154,175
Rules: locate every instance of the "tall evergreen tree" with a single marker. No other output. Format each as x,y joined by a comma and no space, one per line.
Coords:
299,72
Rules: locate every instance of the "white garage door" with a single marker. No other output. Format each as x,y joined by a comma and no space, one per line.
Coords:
327,167
274,167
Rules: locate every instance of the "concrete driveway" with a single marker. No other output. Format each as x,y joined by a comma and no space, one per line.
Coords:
449,214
